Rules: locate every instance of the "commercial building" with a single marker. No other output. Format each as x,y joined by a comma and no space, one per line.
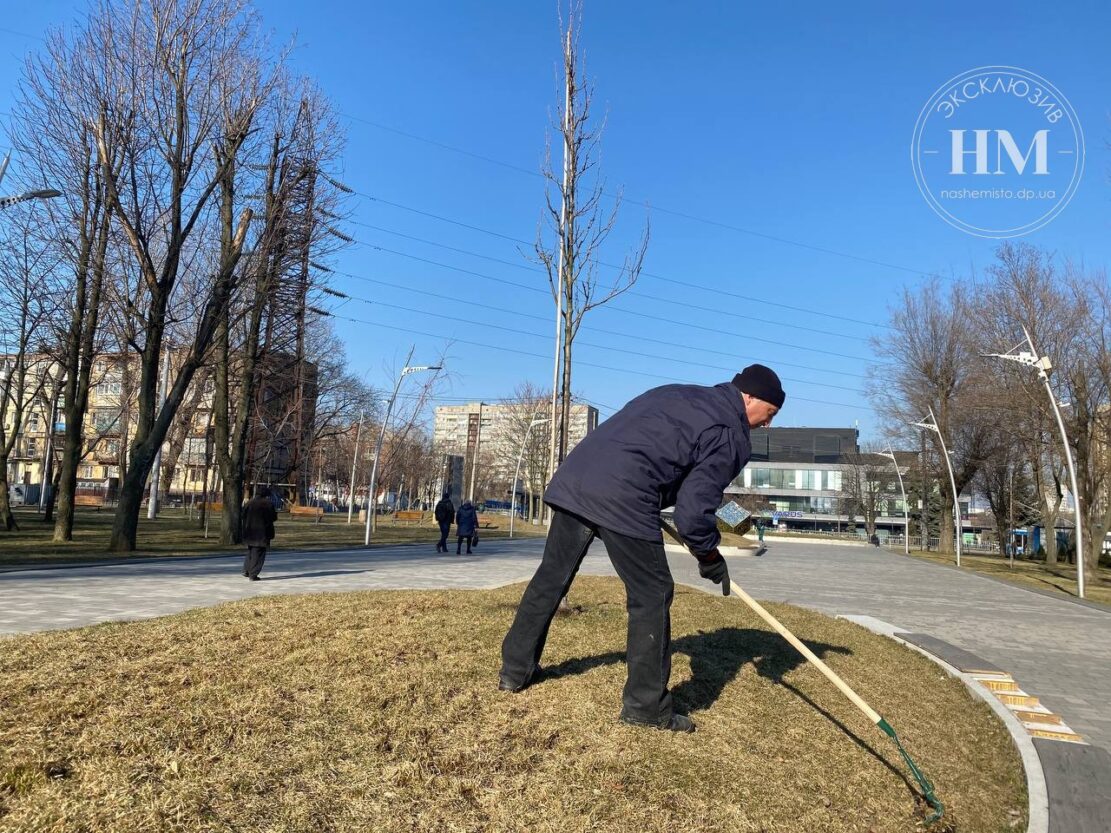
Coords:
800,479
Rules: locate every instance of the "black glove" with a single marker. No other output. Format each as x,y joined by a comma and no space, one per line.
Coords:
715,569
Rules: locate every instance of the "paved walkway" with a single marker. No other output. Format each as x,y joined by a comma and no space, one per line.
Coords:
1055,649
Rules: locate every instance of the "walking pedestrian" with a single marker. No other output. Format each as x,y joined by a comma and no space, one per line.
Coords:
466,524
675,445
445,517
258,531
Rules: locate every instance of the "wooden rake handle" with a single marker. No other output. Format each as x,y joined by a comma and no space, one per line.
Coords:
830,675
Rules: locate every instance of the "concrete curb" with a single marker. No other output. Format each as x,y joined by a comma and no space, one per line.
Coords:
1037,792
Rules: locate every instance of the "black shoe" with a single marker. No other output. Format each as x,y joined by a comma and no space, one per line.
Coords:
246,574
677,723
255,578
504,684
468,552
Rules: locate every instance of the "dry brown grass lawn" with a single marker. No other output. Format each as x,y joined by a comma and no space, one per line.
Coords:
378,711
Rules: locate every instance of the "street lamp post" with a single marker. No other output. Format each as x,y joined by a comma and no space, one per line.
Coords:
354,463
1030,358
906,507
41,194
517,474
932,425
371,496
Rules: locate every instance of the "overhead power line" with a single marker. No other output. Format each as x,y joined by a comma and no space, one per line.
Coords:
545,336
657,276
646,203
502,349
633,292
607,331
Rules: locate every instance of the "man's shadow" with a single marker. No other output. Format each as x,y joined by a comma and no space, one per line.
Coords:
318,574
717,657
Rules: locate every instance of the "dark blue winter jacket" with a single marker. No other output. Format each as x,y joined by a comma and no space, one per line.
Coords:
466,520
675,445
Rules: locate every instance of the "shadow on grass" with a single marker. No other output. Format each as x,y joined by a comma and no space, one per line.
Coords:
717,657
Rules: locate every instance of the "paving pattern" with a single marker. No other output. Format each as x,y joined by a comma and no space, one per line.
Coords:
1055,649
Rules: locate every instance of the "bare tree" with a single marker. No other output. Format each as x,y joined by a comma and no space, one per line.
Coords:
176,133
26,307
932,360
869,486
529,404
580,224
64,88
1023,290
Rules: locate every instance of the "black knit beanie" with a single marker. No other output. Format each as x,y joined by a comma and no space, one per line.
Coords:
761,382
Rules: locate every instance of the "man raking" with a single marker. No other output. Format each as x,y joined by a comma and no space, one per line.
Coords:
675,445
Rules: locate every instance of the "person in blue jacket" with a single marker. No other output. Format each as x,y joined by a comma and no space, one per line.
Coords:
675,445
466,523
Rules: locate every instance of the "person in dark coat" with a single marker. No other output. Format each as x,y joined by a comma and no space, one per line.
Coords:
466,523
258,531
445,517
676,445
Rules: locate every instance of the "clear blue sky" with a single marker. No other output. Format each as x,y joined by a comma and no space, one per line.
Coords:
790,124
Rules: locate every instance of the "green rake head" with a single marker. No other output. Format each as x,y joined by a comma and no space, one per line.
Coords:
923,782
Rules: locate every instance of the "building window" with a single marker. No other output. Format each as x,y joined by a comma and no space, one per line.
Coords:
761,478
833,481
109,388
33,421
105,421
32,447
87,472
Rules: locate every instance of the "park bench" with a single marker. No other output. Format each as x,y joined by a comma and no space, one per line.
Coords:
88,500
406,515
306,511
487,522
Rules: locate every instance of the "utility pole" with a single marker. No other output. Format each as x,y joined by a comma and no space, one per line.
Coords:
474,460
156,472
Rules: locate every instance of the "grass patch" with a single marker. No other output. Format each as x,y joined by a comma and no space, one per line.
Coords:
1057,578
378,711
173,533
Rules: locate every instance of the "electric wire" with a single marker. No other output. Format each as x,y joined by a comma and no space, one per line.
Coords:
581,363
638,337
545,336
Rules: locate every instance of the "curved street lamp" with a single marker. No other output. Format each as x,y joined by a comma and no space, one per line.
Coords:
372,498
932,425
517,474
906,509
1043,365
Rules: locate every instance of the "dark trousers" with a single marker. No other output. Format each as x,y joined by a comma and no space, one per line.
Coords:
445,528
459,544
649,590
252,564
